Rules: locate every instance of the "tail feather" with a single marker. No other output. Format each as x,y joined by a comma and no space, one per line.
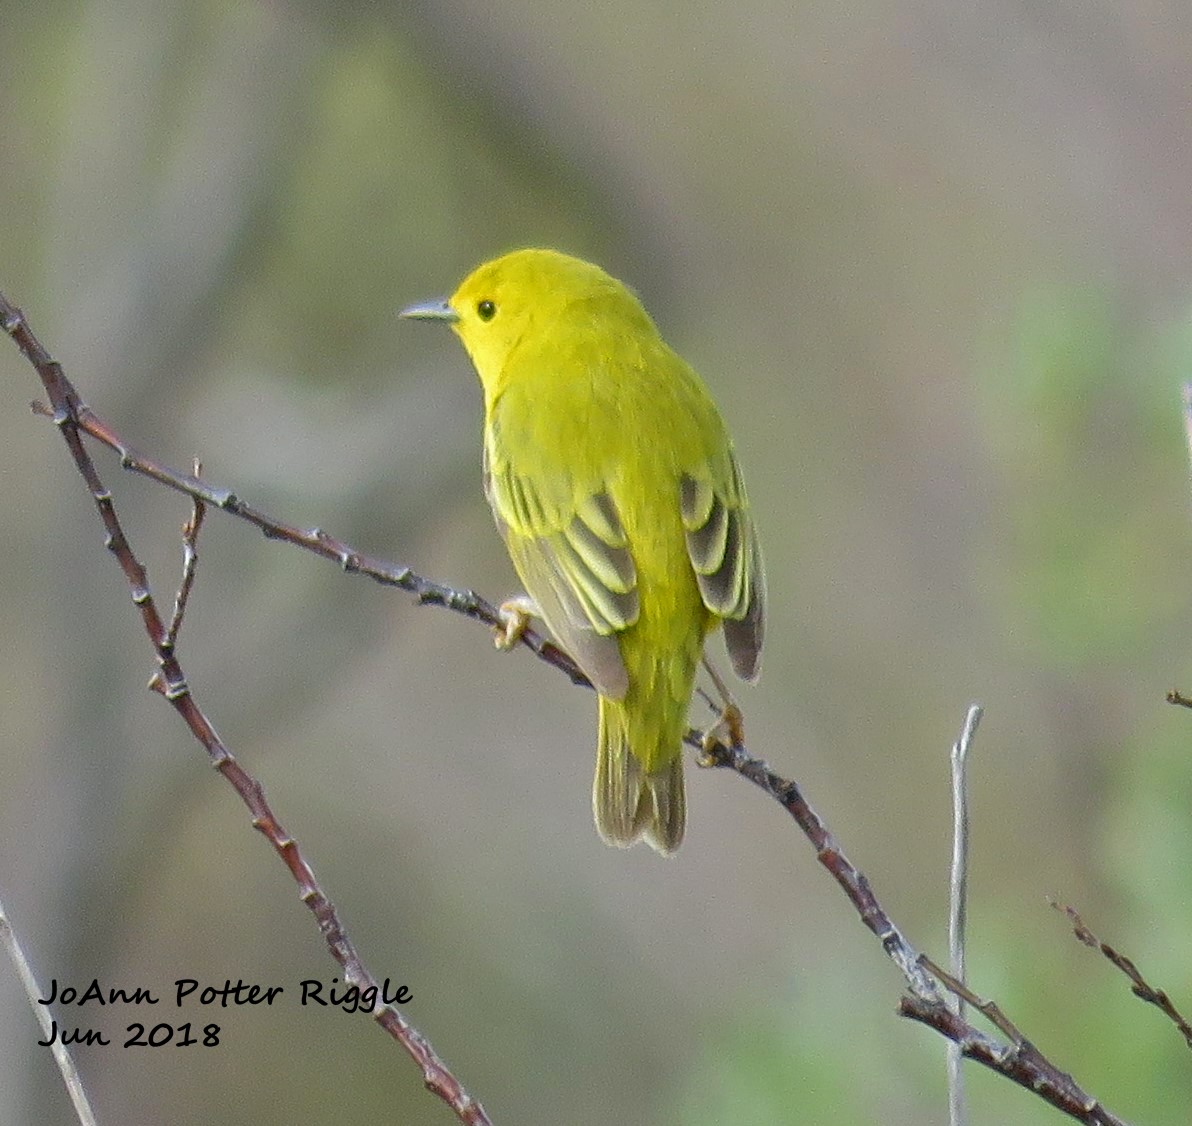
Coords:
664,830
628,802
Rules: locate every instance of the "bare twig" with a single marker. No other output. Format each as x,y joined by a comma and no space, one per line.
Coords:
984,1006
1186,398
926,1003
1022,1063
353,561
958,900
68,412
190,562
70,1075
1174,696
1139,986
828,853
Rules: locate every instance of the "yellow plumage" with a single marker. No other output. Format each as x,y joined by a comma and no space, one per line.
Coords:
614,484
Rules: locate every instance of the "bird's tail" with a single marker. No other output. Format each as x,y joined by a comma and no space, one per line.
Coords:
629,801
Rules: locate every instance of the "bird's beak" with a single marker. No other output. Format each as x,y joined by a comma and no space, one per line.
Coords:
431,311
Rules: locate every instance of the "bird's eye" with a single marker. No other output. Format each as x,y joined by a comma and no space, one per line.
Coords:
486,310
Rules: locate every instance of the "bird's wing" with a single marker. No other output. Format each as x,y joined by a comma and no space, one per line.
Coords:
723,548
570,549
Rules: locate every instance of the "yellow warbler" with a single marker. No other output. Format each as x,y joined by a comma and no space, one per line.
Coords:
615,486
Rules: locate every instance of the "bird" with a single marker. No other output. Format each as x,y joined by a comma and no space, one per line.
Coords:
617,491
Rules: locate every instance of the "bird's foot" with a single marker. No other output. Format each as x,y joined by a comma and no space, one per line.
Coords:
729,729
513,619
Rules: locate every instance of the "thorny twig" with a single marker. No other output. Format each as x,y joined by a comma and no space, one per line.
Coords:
1139,986
68,413
1021,1062
190,562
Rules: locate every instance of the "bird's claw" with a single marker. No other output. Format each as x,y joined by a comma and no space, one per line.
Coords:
727,731
513,619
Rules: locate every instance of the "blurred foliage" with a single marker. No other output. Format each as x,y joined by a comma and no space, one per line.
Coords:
932,261
1083,418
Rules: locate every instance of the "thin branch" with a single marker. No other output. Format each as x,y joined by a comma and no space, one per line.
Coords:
987,1008
315,540
926,1003
190,562
70,1075
1139,986
1186,399
1023,1063
958,900
67,411
1174,696
828,853
958,883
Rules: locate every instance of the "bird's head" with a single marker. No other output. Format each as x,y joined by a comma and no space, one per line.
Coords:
525,292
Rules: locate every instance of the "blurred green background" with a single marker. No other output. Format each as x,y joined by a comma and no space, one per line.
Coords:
933,260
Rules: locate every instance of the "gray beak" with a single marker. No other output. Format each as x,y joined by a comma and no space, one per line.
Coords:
431,311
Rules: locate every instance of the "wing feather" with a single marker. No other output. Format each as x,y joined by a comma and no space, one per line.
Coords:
723,549
572,554
609,565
